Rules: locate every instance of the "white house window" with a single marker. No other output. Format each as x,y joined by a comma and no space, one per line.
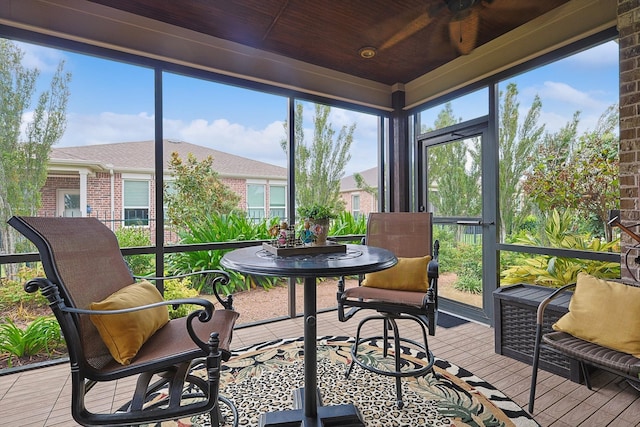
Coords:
277,201
255,201
355,205
68,203
136,202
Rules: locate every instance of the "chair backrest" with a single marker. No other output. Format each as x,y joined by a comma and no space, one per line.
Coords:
406,234
82,257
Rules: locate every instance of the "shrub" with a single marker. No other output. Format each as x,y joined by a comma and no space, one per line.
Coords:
41,335
177,289
468,262
140,265
12,293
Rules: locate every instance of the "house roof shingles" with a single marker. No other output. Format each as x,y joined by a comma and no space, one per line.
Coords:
370,177
138,156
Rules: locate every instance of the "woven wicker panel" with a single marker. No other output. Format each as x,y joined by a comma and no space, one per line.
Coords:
519,331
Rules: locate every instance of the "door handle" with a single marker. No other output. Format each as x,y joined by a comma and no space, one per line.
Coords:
474,222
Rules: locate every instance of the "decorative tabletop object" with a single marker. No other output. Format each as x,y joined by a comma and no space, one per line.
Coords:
284,241
317,217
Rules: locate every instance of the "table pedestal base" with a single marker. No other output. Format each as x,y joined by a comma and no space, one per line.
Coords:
327,416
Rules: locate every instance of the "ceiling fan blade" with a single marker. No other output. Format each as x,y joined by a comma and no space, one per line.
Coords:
463,30
409,25
407,31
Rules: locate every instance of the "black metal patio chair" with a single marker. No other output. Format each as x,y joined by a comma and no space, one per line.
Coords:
407,291
116,328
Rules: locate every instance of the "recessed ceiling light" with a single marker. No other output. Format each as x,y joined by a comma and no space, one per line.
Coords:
367,52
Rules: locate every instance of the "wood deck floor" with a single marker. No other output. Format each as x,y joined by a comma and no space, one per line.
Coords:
41,397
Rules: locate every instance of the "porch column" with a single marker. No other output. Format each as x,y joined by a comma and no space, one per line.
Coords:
83,191
399,151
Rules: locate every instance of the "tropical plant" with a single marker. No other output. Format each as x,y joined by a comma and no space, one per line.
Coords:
41,335
555,271
346,224
219,228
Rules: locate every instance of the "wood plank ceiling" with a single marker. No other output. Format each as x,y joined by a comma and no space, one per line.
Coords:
410,37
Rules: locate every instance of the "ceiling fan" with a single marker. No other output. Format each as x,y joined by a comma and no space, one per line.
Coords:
463,25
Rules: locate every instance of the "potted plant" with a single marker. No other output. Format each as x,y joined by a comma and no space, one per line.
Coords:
316,220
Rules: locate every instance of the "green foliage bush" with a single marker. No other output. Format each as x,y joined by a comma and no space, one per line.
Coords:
219,228
469,260
12,291
40,336
140,265
447,250
554,271
177,289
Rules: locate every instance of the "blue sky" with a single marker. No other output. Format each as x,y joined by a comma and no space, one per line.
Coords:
113,102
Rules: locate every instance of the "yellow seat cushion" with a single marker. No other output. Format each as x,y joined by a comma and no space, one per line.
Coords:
605,313
124,334
409,274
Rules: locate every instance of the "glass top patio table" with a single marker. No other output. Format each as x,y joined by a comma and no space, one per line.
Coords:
358,259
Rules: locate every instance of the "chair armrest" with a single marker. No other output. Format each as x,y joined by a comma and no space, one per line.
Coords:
215,278
433,269
50,291
206,304
545,302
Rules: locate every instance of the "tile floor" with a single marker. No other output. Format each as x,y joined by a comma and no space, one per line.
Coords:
41,397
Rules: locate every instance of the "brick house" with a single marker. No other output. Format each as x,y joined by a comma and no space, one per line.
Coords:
115,182
358,201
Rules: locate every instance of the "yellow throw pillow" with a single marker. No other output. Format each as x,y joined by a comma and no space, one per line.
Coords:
603,312
409,274
124,334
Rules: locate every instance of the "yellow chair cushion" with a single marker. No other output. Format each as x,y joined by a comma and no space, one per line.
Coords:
409,274
124,334
605,313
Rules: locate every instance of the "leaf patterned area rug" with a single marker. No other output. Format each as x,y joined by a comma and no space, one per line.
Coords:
261,379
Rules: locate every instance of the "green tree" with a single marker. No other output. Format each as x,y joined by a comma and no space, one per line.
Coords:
25,145
454,171
320,163
517,141
579,173
196,191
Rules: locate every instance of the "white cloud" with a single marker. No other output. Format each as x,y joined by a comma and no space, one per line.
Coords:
553,121
107,128
567,94
604,55
44,59
258,144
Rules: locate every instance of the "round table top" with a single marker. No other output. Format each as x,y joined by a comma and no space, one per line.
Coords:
358,259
